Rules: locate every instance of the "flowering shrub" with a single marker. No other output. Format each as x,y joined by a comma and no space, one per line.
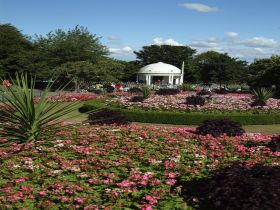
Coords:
218,127
239,102
106,116
133,167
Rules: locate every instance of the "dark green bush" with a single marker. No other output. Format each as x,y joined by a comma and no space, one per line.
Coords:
107,116
167,92
274,144
137,99
110,89
195,100
221,91
218,127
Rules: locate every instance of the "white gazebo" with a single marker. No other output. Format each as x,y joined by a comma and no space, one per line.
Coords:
161,72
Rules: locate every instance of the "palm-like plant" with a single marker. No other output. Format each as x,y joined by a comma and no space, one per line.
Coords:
261,95
23,120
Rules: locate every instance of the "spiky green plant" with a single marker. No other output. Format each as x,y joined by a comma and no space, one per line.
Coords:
146,92
22,120
261,95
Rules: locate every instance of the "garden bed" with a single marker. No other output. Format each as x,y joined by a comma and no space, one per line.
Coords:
136,167
250,117
221,102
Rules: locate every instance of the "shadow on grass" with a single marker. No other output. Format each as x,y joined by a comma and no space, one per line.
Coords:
236,187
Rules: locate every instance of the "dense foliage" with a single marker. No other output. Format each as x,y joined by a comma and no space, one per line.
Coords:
165,92
173,55
217,128
195,100
220,68
265,73
16,51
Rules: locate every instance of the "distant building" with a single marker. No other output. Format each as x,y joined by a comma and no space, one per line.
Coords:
162,73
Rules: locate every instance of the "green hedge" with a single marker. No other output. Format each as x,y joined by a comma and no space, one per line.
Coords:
188,118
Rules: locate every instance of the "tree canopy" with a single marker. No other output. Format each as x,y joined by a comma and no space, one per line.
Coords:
59,47
173,55
15,50
265,73
220,68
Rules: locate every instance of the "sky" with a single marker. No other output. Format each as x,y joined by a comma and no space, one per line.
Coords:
245,29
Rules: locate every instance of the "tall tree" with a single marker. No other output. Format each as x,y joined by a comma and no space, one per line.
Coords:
265,73
60,47
173,55
15,50
220,68
108,70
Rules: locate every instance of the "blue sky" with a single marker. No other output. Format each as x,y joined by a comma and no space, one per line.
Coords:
246,29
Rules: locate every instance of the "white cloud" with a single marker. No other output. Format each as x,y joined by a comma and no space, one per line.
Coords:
161,41
123,50
199,7
211,42
113,38
250,54
232,35
247,49
259,42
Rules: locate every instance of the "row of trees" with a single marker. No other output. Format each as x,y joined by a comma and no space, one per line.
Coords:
79,55
74,54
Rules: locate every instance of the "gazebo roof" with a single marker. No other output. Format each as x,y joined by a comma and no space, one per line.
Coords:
159,68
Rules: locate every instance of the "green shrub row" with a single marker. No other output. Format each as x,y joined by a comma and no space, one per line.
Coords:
188,118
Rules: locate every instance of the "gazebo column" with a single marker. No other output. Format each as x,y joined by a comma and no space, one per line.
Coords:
137,78
169,79
148,79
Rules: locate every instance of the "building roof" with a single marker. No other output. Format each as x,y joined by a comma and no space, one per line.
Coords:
159,68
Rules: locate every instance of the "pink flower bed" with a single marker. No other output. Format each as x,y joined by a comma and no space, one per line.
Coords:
240,102
68,97
110,167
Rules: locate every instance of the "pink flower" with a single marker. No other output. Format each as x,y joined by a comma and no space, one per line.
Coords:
171,175
147,208
44,192
19,180
26,188
93,181
152,199
170,181
155,182
143,182
79,200
126,183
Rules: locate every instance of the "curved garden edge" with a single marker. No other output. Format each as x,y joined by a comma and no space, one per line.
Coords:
190,118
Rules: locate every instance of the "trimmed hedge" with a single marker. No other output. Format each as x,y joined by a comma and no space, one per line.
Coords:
188,118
